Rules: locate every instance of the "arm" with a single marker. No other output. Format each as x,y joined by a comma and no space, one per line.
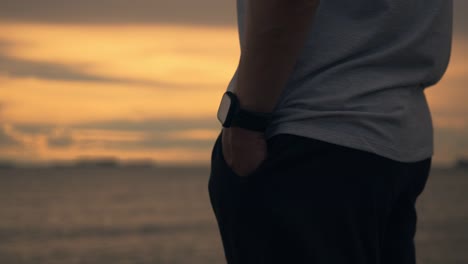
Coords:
275,33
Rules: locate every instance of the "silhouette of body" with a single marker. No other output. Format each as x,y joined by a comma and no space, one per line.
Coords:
349,148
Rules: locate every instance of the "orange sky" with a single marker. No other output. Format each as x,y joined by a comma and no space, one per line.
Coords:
137,91
148,72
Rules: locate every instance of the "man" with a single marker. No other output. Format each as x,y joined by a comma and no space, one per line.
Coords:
327,136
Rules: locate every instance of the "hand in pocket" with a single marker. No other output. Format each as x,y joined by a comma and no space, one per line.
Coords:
243,150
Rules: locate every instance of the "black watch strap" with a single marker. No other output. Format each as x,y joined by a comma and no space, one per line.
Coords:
252,120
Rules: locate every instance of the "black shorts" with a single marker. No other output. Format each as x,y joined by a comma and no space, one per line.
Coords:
316,202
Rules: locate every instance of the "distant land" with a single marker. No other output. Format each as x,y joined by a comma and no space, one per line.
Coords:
461,164
111,162
84,162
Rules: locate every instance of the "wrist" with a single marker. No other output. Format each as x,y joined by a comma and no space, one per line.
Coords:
231,114
254,103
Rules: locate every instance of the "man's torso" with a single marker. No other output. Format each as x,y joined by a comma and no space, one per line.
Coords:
360,79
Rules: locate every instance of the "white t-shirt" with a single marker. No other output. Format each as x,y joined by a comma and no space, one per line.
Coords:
360,79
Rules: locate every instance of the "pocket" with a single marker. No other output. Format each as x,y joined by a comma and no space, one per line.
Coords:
230,171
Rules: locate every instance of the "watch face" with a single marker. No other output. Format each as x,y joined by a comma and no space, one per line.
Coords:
223,109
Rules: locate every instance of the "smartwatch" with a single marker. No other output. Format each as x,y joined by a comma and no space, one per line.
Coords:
230,114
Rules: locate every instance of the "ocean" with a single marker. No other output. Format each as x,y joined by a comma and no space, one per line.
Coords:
139,215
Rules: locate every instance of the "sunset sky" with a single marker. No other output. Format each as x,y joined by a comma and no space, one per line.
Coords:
142,79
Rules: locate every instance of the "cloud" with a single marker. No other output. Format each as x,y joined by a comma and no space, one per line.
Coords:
21,68
206,12
185,12
150,143
6,140
60,138
184,135
48,142
60,142
166,125
162,125
44,70
17,67
203,12
127,135
34,129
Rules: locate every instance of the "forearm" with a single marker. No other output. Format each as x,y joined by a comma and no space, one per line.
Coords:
275,33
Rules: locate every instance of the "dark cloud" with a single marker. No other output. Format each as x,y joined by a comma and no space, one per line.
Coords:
16,67
161,125
152,128
208,12
8,141
60,137
186,12
450,142
60,142
22,68
149,143
34,129
45,70
144,125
